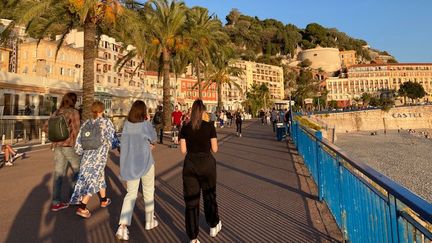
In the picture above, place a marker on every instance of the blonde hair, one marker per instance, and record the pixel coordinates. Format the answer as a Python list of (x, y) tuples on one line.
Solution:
[(97, 107)]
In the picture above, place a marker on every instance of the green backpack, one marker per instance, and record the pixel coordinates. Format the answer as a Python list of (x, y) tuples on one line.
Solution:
[(58, 128)]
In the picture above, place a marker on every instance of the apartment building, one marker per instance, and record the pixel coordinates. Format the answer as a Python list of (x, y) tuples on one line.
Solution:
[(348, 58), (374, 78), (4, 59), (258, 73)]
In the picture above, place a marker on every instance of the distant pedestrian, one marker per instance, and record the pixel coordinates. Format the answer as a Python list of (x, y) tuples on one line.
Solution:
[(64, 152), (229, 118), (274, 118), (239, 122), (137, 164), (93, 144), (262, 116), (197, 139), (176, 117), (158, 123)]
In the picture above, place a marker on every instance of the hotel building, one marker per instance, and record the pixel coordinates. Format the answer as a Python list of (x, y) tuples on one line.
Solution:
[(374, 78), (256, 73)]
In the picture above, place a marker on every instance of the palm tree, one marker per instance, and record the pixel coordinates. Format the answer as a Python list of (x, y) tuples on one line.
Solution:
[(166, 19), (222, 73), (46, 17), (203, 34)]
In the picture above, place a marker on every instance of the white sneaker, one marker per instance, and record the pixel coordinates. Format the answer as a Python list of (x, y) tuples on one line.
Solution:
[(215, 230), (195, 241), (150, 225), (8, 163), (240, 135), (122, 233), (17, 155)]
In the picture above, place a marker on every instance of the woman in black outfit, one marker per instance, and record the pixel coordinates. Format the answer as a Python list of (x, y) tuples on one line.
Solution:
[(239, 122), (197, 140)]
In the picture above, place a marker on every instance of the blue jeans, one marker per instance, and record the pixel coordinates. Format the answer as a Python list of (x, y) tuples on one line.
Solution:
[(63, 156)]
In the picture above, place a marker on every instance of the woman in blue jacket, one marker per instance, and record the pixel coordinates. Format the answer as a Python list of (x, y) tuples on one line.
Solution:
[(137, 164)]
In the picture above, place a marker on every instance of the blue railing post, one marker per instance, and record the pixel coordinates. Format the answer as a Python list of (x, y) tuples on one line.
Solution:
[(319, 167), (393, 218), (342, 203)]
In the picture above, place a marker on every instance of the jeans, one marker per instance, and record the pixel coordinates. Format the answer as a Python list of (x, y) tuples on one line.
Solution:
[(148, 187), (159, 131), (63, 156), (199, 173)]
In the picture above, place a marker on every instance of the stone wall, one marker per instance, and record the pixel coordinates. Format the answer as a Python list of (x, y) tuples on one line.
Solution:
[(414, 117)]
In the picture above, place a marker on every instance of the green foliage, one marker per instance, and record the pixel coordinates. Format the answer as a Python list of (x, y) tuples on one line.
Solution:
[(392, 60), (412, 90), (307, 86), (257, 98), (305, 63)]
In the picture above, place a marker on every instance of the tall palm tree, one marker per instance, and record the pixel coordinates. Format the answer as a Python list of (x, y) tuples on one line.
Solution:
[(203, 34), (222, 73), (167, 19), (45, 17)]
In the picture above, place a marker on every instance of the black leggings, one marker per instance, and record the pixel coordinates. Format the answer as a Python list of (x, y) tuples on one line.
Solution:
[(199, 173), (239, 125)]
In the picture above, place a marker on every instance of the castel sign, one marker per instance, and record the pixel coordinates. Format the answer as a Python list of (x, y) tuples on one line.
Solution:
[(407, 115)]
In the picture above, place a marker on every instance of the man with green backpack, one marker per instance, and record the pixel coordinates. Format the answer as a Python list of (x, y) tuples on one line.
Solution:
[(63, 127)]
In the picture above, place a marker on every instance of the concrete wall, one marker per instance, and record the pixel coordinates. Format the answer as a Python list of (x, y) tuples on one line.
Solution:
[(327, 59), (415, 117)]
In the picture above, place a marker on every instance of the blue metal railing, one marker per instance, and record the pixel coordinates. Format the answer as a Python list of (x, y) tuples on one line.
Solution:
[(367, 206)]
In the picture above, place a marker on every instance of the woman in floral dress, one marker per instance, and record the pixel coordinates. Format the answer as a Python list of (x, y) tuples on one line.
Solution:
[(91, 178)]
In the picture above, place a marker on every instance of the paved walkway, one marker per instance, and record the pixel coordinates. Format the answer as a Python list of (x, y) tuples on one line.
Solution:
[(264, 192)]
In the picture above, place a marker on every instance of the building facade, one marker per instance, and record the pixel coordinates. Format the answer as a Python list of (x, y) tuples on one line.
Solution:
[(258, 73), (375, 78), (348, 58)]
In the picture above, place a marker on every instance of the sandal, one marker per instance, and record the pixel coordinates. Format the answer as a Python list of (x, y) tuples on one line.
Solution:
[(85, 213), (106, 203)]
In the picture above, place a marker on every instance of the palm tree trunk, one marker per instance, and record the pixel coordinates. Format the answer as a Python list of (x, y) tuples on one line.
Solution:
[(199, 79), (219, 94), (166, 90), (88, 73)]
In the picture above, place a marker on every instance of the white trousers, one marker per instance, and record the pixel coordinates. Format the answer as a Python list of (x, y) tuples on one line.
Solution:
[(148, 186)]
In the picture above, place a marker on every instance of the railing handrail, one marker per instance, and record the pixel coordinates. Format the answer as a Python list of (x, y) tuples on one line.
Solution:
[(418, 204)]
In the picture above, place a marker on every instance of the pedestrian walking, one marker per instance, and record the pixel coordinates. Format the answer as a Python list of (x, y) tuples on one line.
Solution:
[(63, 142), (158, 123), (274, 118), (239, 122), (93, 144), (137, 164), (262, 115), (197, 139), (176, 117)]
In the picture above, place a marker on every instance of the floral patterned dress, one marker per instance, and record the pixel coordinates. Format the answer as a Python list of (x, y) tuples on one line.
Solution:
[(91, 177)]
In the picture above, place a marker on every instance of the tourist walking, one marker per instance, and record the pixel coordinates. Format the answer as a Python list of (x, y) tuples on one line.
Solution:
[(137, 164), (63, 147), (176, 117), (93, 144), (158, 123), (239, 122), (197, 140), (262, 115), (274, 118)]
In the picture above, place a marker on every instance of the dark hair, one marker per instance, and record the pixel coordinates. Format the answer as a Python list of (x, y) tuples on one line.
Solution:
[(198, 108), (68, 101), (97, 107), (138, 112)]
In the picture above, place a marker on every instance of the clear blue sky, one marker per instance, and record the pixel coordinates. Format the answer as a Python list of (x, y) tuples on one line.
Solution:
[(401, 27)]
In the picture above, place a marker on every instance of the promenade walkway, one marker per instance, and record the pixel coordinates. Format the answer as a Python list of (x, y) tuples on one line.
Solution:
[(265, 194)]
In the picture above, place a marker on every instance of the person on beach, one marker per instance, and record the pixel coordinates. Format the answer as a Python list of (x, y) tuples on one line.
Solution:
[(137, 164), (93, 144), (197, 140)]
